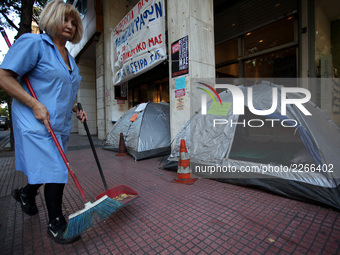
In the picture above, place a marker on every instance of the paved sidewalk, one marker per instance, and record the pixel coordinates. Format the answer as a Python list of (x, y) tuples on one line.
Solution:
[(208, 217)]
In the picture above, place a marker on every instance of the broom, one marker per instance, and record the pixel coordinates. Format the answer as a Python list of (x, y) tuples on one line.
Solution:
[(82, 220)]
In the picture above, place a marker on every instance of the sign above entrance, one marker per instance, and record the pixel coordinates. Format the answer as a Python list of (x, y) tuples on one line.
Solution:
[(138, 41)]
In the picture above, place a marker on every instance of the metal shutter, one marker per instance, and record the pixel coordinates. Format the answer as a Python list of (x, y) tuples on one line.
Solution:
[(247, 15)]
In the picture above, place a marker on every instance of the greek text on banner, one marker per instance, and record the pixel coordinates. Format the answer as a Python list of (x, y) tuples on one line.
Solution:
[(138, 41)]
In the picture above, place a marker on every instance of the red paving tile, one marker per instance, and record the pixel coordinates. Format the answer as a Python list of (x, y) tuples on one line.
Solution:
[(207, 217)]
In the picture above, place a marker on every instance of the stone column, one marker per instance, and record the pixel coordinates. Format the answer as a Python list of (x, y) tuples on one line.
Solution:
[(113, 12), (195, 19)]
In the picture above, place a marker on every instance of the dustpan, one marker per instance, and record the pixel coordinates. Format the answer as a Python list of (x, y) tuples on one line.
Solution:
[(121, 193)]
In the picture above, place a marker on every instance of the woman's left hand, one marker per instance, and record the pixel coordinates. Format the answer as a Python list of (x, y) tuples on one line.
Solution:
[(81, 114)]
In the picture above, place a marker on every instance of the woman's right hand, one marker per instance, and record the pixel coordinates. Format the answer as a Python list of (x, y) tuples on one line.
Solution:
[(41, 113)]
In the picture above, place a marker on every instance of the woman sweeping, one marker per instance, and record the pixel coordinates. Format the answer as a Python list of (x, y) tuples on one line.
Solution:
[(55, 79)]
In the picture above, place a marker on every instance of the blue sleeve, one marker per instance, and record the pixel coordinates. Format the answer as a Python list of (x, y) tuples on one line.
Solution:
[(24, 54)]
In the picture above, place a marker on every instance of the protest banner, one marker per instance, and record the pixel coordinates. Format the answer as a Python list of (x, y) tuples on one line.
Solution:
[(138, 41)]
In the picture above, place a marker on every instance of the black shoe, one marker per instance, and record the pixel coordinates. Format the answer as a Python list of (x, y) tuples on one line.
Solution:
[(28, 204), (56, 229)]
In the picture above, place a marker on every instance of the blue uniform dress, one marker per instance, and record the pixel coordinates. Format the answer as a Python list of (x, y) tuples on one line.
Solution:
[(56, 87)]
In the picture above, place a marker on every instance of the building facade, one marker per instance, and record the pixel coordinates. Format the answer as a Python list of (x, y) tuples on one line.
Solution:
[(222, 39)]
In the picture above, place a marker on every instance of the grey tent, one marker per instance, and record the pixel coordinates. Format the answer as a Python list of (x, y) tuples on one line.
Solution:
[(146, 130), (300, 160)]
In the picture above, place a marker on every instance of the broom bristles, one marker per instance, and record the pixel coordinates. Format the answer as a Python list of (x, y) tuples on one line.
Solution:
[(82, 220)]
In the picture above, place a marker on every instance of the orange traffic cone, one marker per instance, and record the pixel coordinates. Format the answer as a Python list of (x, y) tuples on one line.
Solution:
[(122, 148), (184, 174)]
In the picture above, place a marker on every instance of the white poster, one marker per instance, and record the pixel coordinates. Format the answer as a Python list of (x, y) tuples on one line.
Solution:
[(138, 41)]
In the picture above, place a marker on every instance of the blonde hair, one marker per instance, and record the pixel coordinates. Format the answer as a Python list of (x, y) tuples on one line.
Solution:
[(53, 16)]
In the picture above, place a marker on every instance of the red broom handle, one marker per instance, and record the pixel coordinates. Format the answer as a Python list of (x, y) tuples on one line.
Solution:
[(52, 132)]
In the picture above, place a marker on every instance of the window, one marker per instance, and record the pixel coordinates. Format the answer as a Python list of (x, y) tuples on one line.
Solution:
[(227, 58), (269, 51), (270, 36)]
